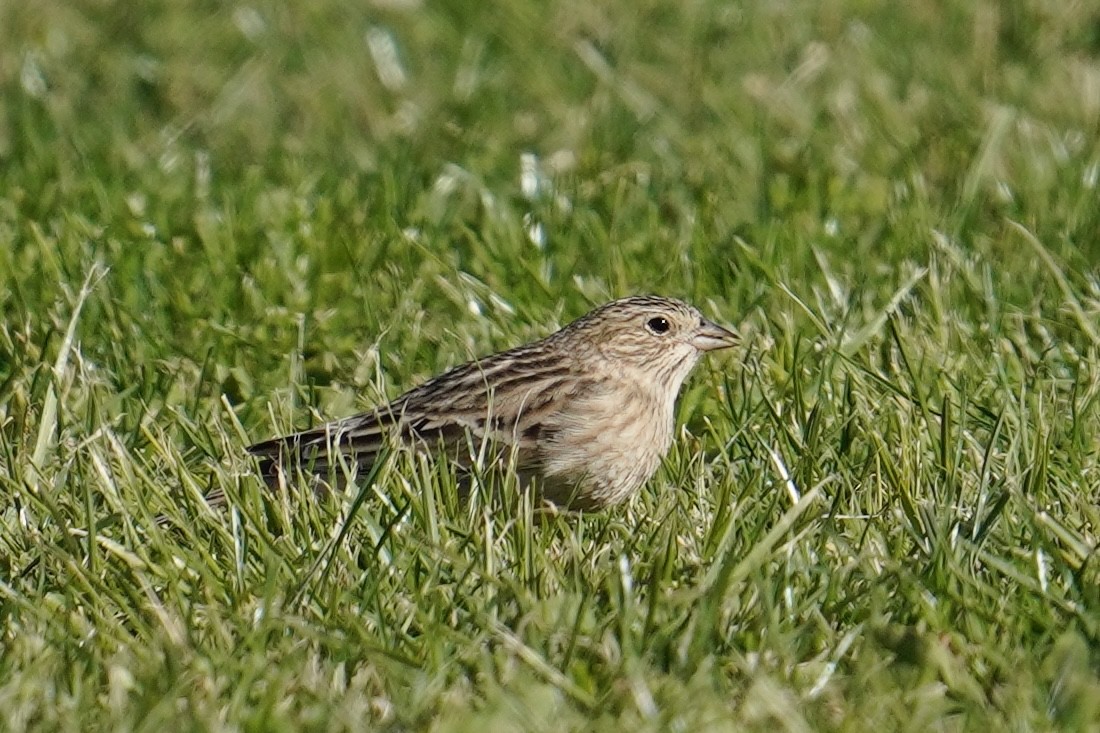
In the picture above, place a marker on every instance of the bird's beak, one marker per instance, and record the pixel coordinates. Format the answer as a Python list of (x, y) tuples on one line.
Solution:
[(711, 336)]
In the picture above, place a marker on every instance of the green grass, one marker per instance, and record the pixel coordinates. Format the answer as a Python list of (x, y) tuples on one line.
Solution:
[(220, 222)]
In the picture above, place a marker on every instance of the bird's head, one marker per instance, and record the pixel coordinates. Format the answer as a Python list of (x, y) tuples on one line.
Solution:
[(649, 334)]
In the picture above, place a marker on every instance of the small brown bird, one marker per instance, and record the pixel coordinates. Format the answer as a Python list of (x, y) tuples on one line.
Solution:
[(586, 413)]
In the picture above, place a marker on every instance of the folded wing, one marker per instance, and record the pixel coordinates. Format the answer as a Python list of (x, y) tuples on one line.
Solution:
[(507, 399)]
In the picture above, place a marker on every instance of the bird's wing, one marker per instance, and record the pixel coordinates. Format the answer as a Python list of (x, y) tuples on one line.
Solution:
[(504, 398)]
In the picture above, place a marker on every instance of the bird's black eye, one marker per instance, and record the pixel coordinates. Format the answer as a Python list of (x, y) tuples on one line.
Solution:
[(658, 325)]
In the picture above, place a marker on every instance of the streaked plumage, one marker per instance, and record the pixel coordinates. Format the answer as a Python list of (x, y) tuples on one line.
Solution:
[(587, 411)]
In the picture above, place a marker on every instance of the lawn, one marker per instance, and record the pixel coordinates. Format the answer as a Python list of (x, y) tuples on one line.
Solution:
[(224, 221)]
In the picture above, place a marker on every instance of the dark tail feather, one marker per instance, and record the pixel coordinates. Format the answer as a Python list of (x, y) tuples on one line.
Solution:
[(321, 454), (316, 451)]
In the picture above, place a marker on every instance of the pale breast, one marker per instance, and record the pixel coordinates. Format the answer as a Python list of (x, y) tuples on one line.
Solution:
[(605, 446)]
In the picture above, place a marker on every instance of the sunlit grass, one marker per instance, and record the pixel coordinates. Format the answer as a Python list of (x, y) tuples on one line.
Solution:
[(218, 224)]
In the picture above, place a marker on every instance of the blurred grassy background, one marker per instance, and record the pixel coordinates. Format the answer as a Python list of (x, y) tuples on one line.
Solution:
[(286, 212)]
